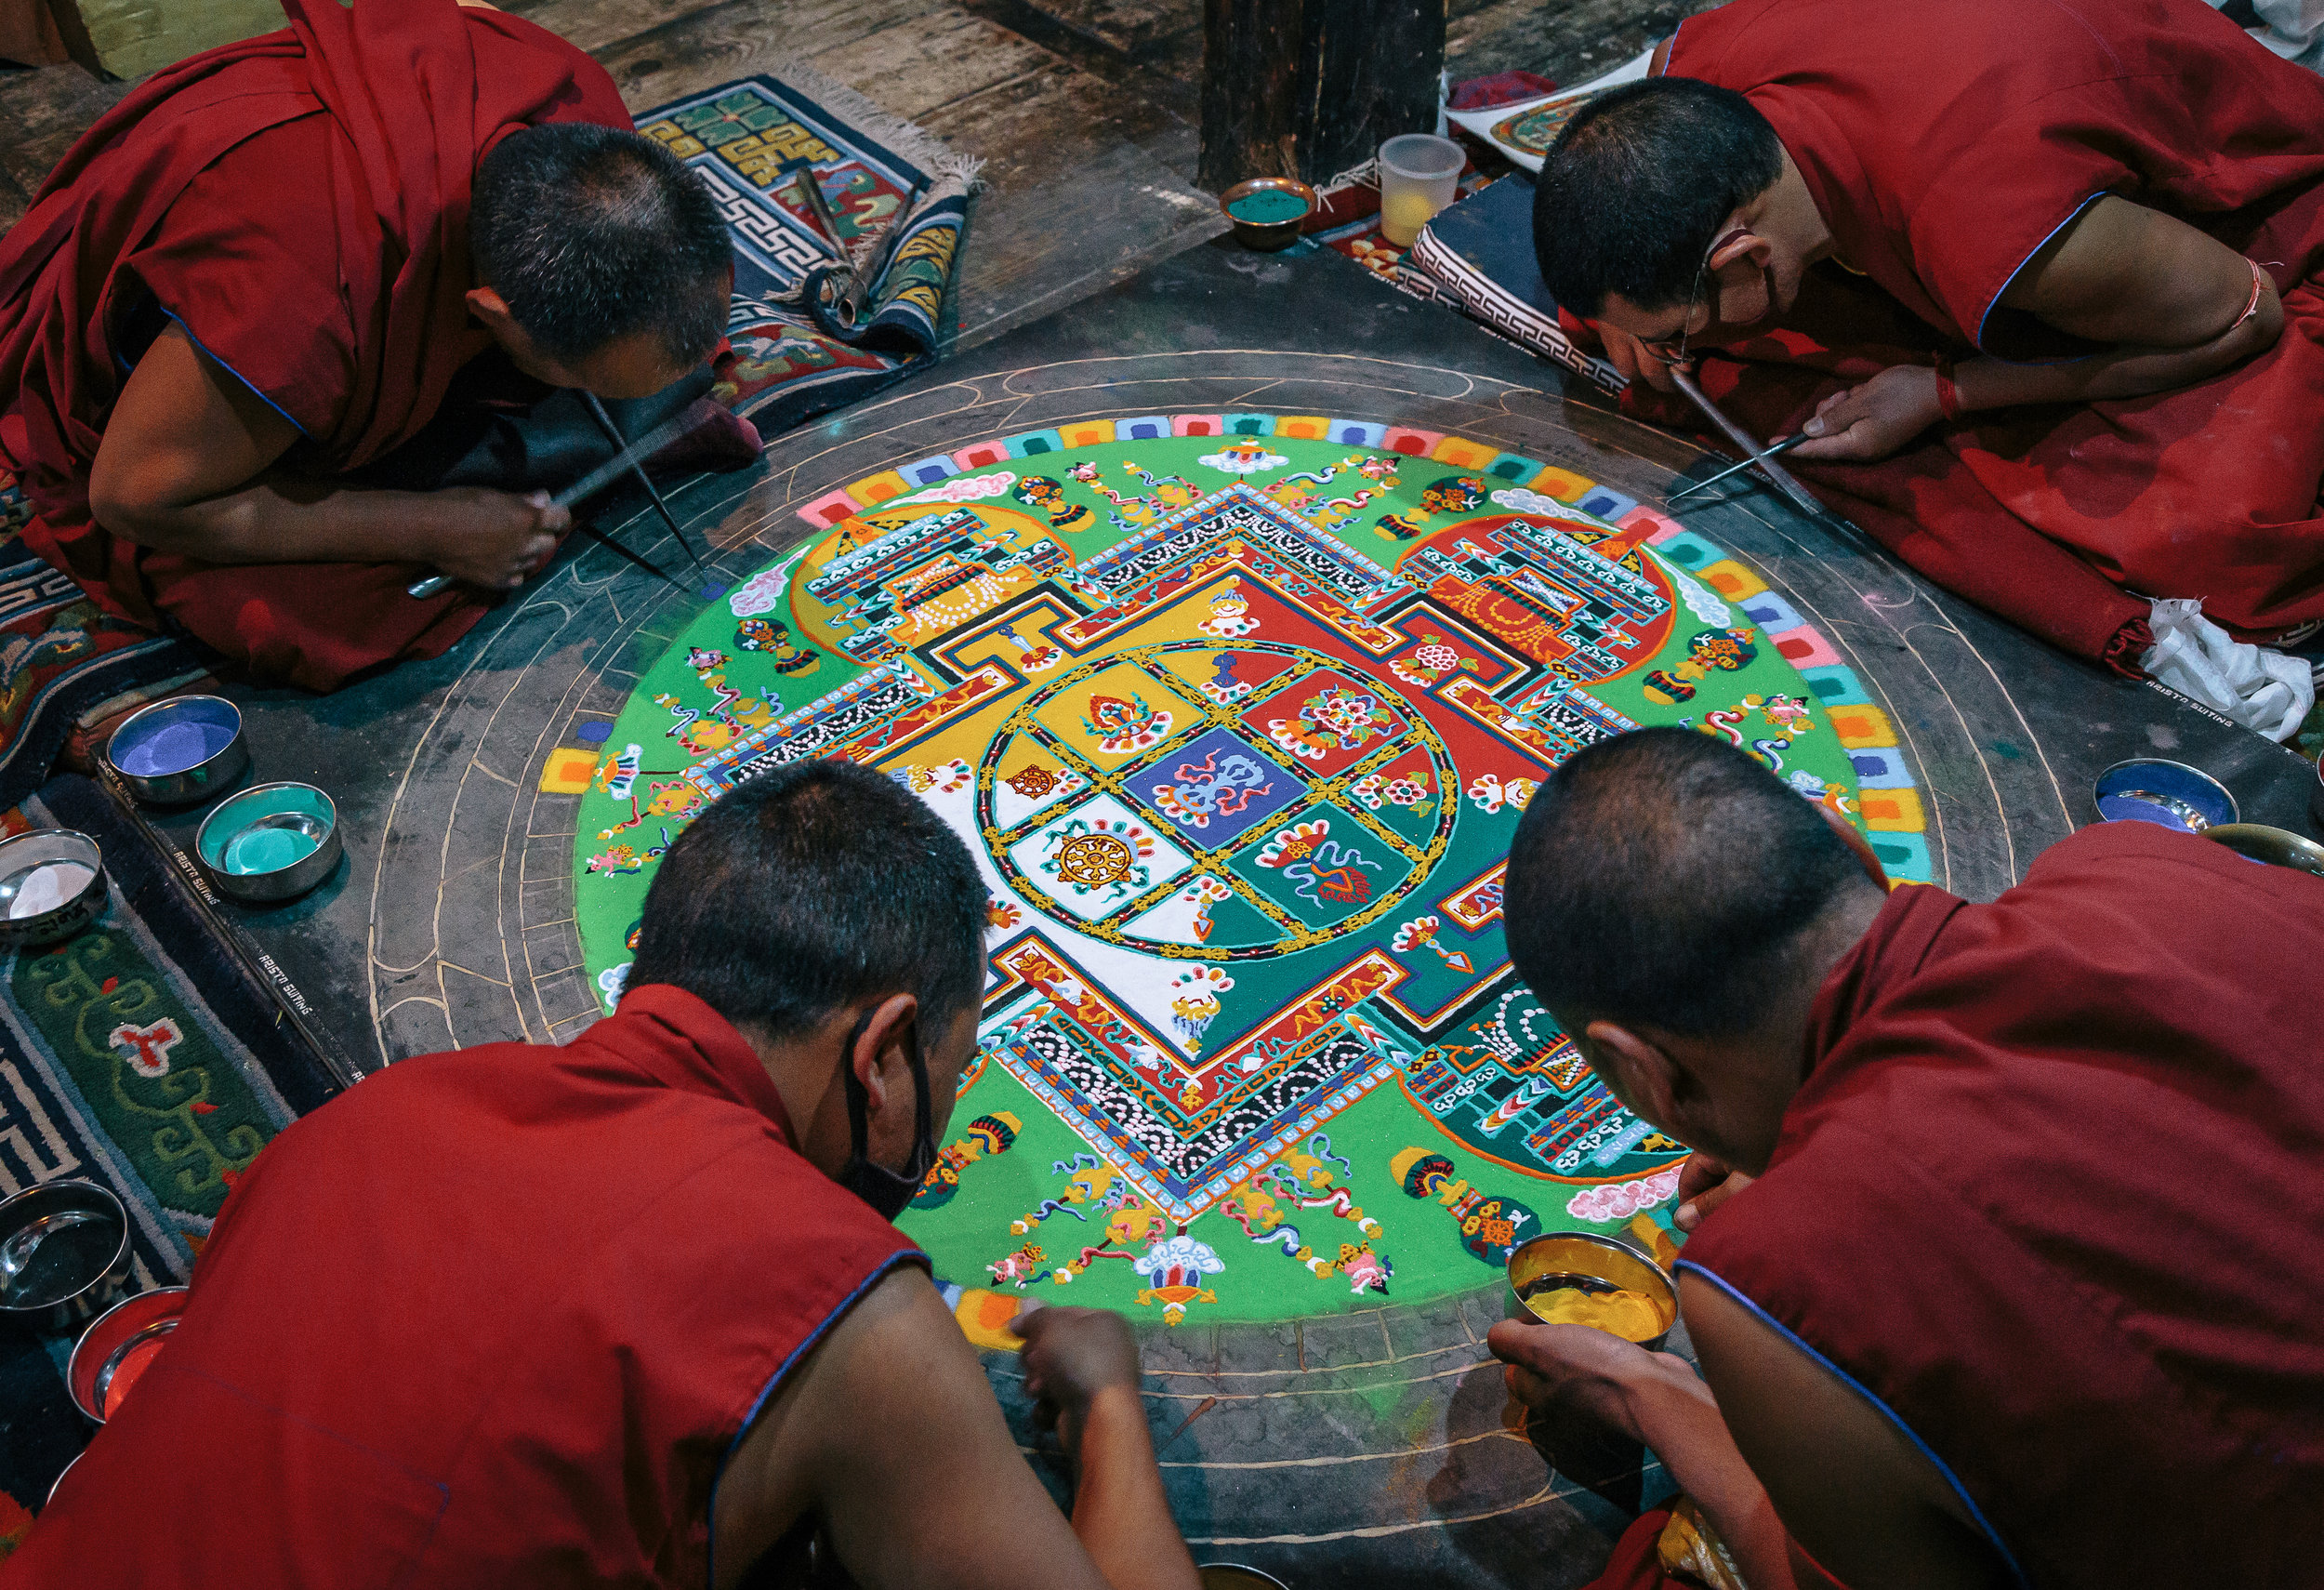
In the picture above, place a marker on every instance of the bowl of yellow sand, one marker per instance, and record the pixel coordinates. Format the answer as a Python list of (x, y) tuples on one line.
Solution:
[(1579, 1277)]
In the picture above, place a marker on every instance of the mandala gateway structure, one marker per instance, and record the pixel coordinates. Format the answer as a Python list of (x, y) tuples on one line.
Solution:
[(1240, 713)]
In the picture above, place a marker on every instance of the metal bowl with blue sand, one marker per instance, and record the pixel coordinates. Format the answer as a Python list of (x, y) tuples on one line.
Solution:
[(177, 751), (272, 842), (2170, 794)]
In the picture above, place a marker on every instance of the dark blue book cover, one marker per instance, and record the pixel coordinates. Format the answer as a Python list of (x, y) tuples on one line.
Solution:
[(1481, 250)]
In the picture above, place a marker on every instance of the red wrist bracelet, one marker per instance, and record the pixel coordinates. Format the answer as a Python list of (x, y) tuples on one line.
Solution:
[(1948, 394)]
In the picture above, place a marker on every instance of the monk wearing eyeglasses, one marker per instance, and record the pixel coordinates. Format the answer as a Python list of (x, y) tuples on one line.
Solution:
[(2040, 280)]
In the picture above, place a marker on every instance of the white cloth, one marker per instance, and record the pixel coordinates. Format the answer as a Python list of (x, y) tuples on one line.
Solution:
[(2292, 29), (2261, 690)]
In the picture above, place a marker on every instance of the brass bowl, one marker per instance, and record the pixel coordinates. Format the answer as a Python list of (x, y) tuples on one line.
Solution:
[(2281, 847), (1601, 1258), (1268, 237)]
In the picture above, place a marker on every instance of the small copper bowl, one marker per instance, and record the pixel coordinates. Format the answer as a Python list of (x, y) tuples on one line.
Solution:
[(1265, 235), (1606, 1259)]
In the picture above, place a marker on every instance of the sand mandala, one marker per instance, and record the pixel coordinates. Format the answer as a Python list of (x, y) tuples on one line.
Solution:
[(1238, 713)]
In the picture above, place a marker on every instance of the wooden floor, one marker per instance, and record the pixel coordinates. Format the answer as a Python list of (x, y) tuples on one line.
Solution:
[(1084, 110)]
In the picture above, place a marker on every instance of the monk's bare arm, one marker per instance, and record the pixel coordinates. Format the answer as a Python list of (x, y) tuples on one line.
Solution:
[(889, 1434), (1851, 1488), (187, 466), (1657, 1400), (2172, 301)]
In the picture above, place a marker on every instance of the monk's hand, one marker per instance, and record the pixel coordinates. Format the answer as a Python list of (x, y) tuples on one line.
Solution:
[(1633, 358), (1873, 420), (1704, 1185), (1554, 1368), (493, 539), (1072, 1357)]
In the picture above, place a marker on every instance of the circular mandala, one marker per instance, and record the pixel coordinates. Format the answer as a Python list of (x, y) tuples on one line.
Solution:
[(1239, 727)]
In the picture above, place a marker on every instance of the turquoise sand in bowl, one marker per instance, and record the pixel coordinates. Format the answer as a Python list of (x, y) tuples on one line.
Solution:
[(1268, 205)]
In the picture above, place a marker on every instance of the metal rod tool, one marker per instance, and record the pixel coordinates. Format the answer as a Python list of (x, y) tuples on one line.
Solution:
[(613, 434), (1776, 475), (1773, 450), (684, 423)]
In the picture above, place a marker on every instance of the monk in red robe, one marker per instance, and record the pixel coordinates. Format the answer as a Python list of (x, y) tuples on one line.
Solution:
[(2028, 1287), (236, 311), (2046, 282), (632, 1311)]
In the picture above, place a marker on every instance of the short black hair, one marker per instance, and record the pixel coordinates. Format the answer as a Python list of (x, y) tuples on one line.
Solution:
[(1657, 876), (590, 234), (1632, 194), (810, 889)]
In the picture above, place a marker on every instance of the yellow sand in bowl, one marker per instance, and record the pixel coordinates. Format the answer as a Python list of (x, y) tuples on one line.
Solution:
[(1629, 1315)]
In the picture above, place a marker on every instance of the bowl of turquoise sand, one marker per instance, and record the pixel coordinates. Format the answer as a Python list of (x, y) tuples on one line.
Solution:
[(1266, 211), (187, 749), (272, 842)]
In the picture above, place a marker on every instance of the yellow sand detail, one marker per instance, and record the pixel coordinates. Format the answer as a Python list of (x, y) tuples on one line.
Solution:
[(1629, 1315)]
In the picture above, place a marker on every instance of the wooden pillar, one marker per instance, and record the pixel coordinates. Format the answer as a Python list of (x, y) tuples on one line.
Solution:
[(1307, 89)]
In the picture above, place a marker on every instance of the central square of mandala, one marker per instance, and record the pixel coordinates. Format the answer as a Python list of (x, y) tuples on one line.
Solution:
[(1212, 788)]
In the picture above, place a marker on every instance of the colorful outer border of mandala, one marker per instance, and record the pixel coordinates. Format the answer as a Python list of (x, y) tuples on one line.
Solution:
[(1888, 797)]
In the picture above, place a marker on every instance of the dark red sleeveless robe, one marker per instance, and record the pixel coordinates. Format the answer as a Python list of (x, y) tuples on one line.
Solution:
[(491, 1319), (1944, 143), (2052, 1193), (299, 202)]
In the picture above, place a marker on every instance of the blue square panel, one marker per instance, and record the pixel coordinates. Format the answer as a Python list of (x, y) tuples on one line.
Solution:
[(1210, 790)]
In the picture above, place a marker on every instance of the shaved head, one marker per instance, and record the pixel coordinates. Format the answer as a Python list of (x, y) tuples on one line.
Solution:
[(1665, 879)]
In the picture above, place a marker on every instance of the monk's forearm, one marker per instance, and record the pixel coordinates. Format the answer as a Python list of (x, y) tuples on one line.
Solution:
[(273, 522), (1120, 1514), (1680, 1421), (2125, 372)]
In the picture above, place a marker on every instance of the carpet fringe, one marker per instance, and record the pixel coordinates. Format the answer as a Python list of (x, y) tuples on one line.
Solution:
[(904, 139)]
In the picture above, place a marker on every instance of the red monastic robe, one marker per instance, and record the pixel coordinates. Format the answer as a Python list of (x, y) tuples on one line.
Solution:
[(491, 1321), (299, 202), (2050, 1194), (1945, 143)]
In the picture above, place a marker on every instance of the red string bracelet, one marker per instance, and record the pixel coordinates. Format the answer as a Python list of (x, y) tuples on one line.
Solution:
[(2259, 285), (1948, 394)]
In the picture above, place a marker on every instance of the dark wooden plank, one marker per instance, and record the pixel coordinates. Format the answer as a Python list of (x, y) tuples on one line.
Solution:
[(1082, 187), (632, 29), (1308, 87), (939, 58), (1085, 193)]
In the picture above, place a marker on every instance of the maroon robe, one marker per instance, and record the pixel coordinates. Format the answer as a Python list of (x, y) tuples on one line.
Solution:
[(1945, 143), (491, 1321), (299, 202), (2052, 1194)]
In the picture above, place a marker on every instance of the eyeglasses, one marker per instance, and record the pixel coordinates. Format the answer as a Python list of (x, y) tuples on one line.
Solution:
[(1672, 351)]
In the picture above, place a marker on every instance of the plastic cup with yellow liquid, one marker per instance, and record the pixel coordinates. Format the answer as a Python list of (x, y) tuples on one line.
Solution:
[(1419, 174)]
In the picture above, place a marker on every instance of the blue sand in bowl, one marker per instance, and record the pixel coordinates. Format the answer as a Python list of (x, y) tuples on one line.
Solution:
[(174, 746)]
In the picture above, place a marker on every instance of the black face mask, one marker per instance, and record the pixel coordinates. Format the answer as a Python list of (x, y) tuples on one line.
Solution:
[(886, 1191)]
